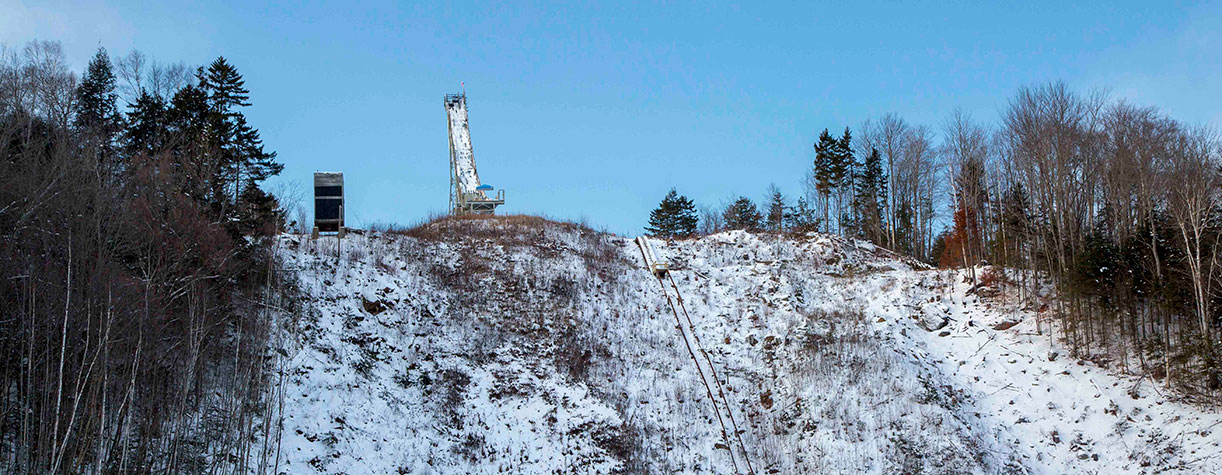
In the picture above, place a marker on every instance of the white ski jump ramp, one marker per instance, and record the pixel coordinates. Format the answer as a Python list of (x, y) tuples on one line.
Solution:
[(467, 193), (460, 140)]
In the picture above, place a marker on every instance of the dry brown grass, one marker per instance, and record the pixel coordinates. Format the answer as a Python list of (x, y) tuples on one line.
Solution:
[(480, 236), (448, 227), (496, 260)]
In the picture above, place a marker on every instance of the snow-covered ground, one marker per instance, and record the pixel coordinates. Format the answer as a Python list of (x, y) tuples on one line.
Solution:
[(519, 345), (1061, 414)]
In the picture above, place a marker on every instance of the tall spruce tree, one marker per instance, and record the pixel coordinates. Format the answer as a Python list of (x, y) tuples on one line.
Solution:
[(197, 163), (241, 157), (97, 115), (742, 214), (870, 197), (825, 170), (842, 179), (775, 219), (675, 217), (188, 114), (147, 125)]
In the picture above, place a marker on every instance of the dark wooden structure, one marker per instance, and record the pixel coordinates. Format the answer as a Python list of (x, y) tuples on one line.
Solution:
[(328, 202)]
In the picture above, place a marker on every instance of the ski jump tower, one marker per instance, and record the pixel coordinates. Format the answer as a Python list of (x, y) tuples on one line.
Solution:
[(467, 194)]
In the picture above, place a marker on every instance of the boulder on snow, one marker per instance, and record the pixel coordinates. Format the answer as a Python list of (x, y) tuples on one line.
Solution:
[(988, 292), (1005, 324), (374, 307), (931, 322)]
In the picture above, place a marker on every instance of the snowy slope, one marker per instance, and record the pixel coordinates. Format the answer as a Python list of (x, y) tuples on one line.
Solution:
[(513, 344), (1063, 415)]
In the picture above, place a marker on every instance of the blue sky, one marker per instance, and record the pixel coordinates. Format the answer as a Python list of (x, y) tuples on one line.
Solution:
[(594, 112)]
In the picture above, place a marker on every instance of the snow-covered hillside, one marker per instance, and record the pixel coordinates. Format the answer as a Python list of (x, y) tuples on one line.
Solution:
[(514, 344)]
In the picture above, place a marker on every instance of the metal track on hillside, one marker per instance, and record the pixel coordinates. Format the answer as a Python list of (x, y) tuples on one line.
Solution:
[(704, 365)]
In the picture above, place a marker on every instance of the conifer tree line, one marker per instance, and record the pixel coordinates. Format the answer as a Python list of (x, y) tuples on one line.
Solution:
[(137, 268), (1115, 207)]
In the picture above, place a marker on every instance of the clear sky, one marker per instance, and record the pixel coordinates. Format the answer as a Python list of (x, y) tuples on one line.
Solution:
[(595, 112)]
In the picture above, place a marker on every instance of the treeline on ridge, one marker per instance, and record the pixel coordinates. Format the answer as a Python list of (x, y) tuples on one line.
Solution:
[(1118, 207), (137, 274)]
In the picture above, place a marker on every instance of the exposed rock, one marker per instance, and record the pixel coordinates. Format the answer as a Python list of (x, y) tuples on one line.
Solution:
[(374, 307), (988, 292), (1005, 324), (931, 322)]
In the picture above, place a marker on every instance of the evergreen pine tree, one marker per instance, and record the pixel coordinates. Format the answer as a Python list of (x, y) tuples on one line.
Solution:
[(869, 198), (241, 157), (1015, 216), (776, 209), (97, 116), (1096, 271), (843, 163), (147, 123), (842, 177), (260, 213), (742, 214), (259, 164), (226, 88), (188, 114), (196, 160), (1016, 209), (905, 228), (802, 218), (825, 169), (674, 217)]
